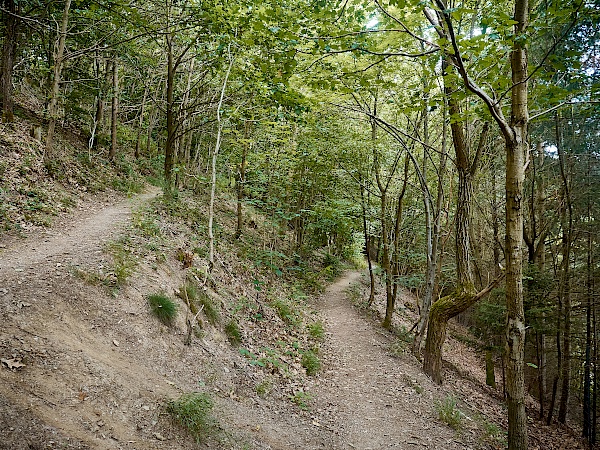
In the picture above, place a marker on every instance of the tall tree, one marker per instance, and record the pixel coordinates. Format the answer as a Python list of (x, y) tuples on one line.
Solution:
[(11, 22)]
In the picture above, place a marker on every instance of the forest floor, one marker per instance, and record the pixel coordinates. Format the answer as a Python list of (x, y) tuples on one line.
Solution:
[(85, 369)]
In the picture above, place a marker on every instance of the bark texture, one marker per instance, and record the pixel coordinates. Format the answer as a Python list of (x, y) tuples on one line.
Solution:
[(9, 50)]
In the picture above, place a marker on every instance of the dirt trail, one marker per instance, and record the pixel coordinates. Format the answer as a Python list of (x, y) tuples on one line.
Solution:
[(82, 237), (97, 369), (376, 401)]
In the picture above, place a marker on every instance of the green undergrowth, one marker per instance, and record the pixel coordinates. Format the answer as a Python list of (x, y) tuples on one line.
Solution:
[(34, 193), (163, 308), (194, 412), (449, 413), (258, 295)]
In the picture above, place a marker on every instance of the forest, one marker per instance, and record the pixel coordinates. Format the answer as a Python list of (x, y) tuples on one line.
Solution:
[(454, 144)]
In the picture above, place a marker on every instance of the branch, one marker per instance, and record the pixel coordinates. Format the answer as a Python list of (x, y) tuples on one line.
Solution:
[(404, 27), (493, 106), (560, 105)]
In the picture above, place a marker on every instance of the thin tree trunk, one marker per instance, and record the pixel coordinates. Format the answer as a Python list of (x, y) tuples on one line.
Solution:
[(170, 142), (242, 179), (552, 400), (54, 93), (138, 142), (114, 111), (385, 256), (213, 186), (396, 262), (367, 242), (564, 284), (540, 348)]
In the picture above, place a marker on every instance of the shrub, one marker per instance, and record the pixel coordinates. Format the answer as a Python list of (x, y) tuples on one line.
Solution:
[(311, 362), (301, 399), (163, 308), (194, 413)]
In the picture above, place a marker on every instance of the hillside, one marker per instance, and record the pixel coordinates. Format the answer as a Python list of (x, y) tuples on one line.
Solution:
[(277, 362)]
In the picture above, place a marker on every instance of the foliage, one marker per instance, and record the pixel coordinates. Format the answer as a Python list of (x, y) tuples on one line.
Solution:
[(449, 413), (311, 362), (233, 332), (267, 358), (286, 311), (163, 308), (194, 413), (124, 261), (316, 330), (302, 399)]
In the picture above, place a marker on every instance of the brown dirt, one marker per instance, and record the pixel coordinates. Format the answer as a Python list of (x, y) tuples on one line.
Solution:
[(98, 369)]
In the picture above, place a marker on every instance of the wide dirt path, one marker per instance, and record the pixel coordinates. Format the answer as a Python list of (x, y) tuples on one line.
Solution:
[(373, 399)]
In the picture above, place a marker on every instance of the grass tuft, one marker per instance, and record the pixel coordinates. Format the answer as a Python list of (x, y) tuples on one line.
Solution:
[(449, 413), (286, 312), (311, 362), (210, 308), (232, 330), (316, 330), (163, 308), (194, 413)]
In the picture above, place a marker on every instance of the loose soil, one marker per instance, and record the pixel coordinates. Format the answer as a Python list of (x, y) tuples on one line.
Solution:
[(90, 370)]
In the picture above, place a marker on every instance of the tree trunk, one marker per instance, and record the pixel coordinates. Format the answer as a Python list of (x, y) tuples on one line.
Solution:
[(367, 242), (398, 222), (588, 426), (490, 375), (213, 186), (54, 93), (170, 142), (9, 50), (385, 256), (564, 289), (465, 295), (541, 362), (138, 142), (516, 149), (114, 111), (432, 231), (441, 312)]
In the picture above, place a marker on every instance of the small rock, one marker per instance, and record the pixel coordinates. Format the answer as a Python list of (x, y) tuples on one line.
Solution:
[(116, 343), (159, 436)]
